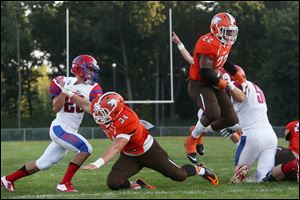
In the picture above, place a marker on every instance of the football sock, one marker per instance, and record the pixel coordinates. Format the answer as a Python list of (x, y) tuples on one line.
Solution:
[(200, 140), (17, 174), (201, 172), (289, 167), (72, 169), (198, 130)]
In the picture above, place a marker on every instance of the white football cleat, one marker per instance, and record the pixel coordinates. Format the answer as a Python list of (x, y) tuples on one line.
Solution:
[(9, 186), (134, 186), (240, 175), (65, 187)]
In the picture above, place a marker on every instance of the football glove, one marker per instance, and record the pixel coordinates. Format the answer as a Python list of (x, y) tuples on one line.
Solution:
[(245, 88), (227, 132), (67, 85)]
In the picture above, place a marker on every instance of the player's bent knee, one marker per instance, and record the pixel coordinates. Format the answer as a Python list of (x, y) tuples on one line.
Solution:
[(211, 117), (43, 165), (232, 122), (114, 184)]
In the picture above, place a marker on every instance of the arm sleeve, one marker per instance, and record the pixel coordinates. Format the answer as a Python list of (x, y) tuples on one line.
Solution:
[(97, 90), (229, 67), (54, 88)]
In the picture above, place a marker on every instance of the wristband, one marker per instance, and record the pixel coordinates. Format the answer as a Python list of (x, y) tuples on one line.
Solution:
[(230, 85), (98, 163), (222, 84), (180, 46)]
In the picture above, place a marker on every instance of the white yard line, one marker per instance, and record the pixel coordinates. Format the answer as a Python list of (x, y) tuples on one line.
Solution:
[(152, 192)]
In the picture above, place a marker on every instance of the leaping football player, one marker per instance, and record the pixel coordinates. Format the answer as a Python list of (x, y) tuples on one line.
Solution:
[(205, 88)]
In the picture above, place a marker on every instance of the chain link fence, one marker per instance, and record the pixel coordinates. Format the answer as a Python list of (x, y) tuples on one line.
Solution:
[(29, 134)]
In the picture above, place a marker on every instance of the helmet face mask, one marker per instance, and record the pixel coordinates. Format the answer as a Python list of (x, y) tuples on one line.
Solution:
[(107, 107), (91, 75), (101, 116), (229, 34), (86, 67)]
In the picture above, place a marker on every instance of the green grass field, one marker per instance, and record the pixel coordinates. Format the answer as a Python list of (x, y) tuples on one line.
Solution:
[(219, 155)]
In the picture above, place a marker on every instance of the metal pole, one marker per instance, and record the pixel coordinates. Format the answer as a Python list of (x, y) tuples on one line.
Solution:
[(114, 65), (171, 55), (67, 38), (163, 105), (19, 73)]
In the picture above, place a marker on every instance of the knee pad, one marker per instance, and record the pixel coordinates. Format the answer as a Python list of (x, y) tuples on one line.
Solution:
[(43, 165)]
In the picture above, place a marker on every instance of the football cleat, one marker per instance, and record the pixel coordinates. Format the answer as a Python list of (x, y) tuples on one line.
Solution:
[(200, 149), (192, 157), (240, 175), (135, 186), (65, 187), (143, 184), (9, 186), (209, 175)]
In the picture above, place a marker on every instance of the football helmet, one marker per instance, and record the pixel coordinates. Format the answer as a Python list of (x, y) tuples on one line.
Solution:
[(86, 67), (107, 107), (223, 26), (240, 69)]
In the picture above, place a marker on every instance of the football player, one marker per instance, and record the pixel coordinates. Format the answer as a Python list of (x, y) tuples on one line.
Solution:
[(205, 88), (287, 160), (258, 140), (132, 141), (64, 128)]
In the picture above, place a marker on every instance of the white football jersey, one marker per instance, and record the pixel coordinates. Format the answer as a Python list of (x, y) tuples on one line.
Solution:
[(252, 112), (71, 115)]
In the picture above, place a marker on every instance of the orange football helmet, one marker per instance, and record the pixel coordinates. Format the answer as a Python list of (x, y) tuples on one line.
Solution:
[(107, 107), (223, 26)]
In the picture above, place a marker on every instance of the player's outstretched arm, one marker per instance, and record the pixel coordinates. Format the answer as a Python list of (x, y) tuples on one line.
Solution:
[(112, 151), (185, 54), (82, 103), (79, 101), (235, 92)]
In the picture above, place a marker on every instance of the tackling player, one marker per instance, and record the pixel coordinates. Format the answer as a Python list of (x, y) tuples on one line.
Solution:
[(64, 128), (287, 160), (137, 148), (205, 87), (258, 140)]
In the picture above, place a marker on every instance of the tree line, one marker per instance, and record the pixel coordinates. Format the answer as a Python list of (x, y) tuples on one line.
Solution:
[(135, 36)]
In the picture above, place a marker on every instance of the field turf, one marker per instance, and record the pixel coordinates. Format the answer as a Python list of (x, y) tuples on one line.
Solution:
[(219, 156)]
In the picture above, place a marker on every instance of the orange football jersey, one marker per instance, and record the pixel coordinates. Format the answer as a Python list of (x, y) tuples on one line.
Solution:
[(128, 123), (293, 127), (211, 47)]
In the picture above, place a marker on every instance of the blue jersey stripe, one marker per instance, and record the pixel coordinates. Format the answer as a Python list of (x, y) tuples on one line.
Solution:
[(240, 149), (70, 138)]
